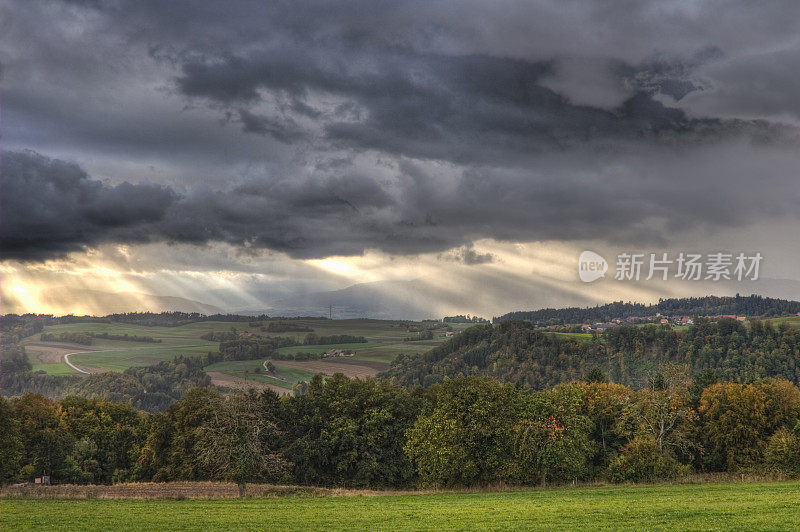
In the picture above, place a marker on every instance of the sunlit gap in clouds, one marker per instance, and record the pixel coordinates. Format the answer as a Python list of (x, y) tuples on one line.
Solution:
[(518, 276), (509, 276), (67, 286), (57, 287)]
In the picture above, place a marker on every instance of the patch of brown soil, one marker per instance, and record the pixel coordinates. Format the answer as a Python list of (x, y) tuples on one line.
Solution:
[(378, 366), (52, 354), (148, 360), (350, 368), (93, 370), (229, 381)]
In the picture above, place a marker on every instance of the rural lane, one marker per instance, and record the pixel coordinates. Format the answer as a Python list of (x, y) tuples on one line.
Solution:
[(73, 366)]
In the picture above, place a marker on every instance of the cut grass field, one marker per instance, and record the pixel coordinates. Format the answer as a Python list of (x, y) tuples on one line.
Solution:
[(117, 355), (581, 337), (246, 369), (794, 321), (726, 506)]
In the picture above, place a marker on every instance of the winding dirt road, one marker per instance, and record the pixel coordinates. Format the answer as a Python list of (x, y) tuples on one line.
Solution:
[(73, 366)]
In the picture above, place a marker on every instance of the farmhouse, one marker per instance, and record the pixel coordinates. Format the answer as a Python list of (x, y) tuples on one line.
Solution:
[(337, 353)]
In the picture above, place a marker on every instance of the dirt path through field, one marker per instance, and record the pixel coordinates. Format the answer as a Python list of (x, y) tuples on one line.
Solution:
[(229, 381), (53, 354), (83, 369), (271, 374)]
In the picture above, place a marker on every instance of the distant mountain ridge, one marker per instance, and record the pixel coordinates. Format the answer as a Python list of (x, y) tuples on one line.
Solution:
[(99, 303), (379, 300)]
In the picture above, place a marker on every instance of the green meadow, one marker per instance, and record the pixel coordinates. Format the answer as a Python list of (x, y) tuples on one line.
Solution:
[(254, 371), (385, 340), (726, 506), (581, 337), (794, 321)]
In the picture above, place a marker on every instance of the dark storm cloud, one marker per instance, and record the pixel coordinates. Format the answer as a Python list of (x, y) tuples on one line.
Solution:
[(464, 109), (51, 207), (282, 130), (320, 128)]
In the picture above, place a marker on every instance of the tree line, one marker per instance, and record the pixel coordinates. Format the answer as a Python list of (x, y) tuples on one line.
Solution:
[(151, 388), (753, 305), (18, 326), (469, 431)]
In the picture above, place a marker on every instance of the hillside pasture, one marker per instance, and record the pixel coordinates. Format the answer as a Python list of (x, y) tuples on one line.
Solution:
[(116, 355), (254, 370), (581, 337), (794, 321)]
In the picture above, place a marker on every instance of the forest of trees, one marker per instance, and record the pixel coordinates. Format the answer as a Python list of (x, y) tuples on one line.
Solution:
[(253, 347), (285, 326), (17, 326), (468, 431), (752, 305), (152, 388), (313, 339), (127, 338), (81, 338), (517, 352)]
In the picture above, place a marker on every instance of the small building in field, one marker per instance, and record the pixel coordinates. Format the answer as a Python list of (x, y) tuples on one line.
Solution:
[(332, 353)]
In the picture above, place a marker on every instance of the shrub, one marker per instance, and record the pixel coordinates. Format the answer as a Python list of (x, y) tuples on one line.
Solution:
[(782, 454), (641, 460)]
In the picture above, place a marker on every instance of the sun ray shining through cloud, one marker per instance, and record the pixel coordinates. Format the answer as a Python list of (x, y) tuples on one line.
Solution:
[(259, 162)]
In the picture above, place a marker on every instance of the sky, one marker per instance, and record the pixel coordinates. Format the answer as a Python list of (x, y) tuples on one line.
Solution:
[(241, 153)]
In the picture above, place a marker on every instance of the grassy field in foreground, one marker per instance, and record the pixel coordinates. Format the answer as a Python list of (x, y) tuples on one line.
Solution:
[(765, 506)]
